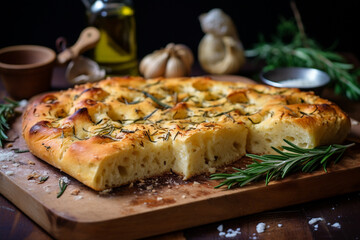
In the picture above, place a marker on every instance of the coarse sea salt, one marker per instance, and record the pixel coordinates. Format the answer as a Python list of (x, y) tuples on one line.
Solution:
[(280, 225), (315, 220), (78, 197), (6, 155), (9, 173), (23, 103), (336, 225), (229, 233), (316, 226), (260, 228)]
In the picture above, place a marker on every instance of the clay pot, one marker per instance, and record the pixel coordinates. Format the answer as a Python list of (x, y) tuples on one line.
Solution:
[(26, 70)]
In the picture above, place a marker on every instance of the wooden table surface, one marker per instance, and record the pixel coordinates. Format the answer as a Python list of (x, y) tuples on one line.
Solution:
[(340, 214)]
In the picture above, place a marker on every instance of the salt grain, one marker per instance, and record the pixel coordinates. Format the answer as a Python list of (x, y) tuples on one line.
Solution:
[(159, 198), (220, 228), (260, 228), (47, 189), (6, 155), (4, 166), (315, 220), (65, 180), (336, 225), (230, 233), (316, 226), (9, 173), (79, 197), (280, 225), (16, 164), (183, 196)]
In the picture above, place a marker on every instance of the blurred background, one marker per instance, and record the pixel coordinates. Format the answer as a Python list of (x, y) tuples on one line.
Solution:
[(159, 22)]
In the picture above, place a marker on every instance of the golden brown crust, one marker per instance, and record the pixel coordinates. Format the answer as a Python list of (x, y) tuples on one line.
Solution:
[(139, 123)]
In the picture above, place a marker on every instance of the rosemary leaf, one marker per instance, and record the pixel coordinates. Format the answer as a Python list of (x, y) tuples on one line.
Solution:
[(63, 183), (157, 101), (17, 150), (7, 110), (288, 50), (279, 166)]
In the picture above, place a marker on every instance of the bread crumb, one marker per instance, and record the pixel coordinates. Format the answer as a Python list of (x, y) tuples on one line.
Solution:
[(9, 145), (31, 162), (131, 185), (183, 196), (159, 198), (149, 187), (196, 183), (75, 192), (33, 175), (212, 170), (16, 164), (104, 192)]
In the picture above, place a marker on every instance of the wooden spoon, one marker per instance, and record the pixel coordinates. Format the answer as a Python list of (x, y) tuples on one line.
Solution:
[(88, 39)]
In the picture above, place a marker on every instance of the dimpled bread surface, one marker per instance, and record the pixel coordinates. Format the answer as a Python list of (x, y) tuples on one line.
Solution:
[(120, 130)]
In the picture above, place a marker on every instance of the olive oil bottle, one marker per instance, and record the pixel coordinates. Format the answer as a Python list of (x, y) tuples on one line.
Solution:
[(116, 50)]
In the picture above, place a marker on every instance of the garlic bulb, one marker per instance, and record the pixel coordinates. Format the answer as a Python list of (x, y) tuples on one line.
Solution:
[(175, 60), (220, 50)]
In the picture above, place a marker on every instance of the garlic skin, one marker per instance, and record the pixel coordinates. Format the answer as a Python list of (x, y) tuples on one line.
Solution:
[(220, 51), (175, 60), (82, 70)]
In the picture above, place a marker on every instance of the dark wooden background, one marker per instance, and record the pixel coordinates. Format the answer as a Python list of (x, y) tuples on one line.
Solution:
[(162, 21)]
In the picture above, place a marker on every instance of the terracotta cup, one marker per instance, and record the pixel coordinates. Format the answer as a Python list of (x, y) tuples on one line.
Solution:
[(26, 70)]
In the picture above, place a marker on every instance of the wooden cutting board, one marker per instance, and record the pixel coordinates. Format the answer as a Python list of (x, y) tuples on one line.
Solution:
[(156, 206)]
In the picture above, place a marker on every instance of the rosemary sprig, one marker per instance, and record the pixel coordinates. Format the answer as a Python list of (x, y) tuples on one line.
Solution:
[(278, 166), (291, 48), (63, 183), (157, 101), (7, 110)]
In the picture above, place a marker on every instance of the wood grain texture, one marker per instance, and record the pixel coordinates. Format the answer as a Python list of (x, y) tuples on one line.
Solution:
[(145, 209), (169, 204)]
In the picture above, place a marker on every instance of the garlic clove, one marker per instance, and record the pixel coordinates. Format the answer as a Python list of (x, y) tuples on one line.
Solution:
[(156, 68), (186, 56), (147, 60), (174, 60), (175, 68)]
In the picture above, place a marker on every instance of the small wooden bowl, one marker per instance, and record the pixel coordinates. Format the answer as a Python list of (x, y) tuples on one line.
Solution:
[(26, 70)]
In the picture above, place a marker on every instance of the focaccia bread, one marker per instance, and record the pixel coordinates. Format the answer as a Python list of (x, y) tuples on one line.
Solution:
[(119, 130)]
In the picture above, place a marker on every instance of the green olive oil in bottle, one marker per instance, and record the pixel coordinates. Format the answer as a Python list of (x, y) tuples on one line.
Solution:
[(116, 50)]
